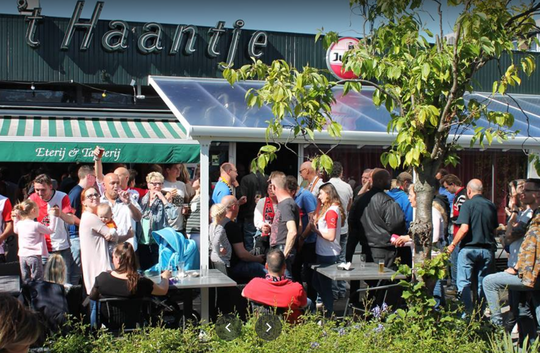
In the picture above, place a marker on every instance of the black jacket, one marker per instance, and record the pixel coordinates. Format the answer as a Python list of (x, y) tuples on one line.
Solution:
[(374, 217)]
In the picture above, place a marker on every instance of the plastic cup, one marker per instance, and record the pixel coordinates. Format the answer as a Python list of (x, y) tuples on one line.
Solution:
[(381, 266)]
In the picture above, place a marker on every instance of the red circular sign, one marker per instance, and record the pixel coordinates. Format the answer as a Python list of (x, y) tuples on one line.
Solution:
[(334, 54)]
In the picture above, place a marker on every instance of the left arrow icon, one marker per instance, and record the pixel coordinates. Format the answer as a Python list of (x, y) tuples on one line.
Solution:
[(227, 327)]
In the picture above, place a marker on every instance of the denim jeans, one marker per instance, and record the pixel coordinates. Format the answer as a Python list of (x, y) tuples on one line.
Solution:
[(247, 270), (289, 261), (31, 268), (249, 234), (339, 286), (438, 294), (453, 257), (323, 284), (94, 307), (503, 280), (473, 262), (76, 265)]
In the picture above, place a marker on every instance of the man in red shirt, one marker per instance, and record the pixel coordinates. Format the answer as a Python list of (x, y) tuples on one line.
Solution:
[(45, 196), (6, 224), (454, 185), (275, 290)]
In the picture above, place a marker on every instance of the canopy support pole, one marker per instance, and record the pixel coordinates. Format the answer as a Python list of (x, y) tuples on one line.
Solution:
[(204, 201)]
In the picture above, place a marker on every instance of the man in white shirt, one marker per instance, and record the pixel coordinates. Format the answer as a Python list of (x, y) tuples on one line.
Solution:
[(123, 175), (308, 173), (345, 193), (126, 210)]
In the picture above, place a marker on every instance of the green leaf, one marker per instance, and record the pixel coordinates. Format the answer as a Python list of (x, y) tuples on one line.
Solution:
[(262, 161), (409, 158), (268, 149), (326, 163), (495, 86), (425, 71), (489, 136), (334, 129), (310, 133), (393, 160)]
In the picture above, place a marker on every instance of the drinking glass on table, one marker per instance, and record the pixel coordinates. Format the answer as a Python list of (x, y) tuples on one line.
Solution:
[(181, 270), (381, 266), (204, 271), (362, 260)]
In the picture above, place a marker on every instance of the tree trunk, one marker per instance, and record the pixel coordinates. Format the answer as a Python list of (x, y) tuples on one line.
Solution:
[(421, 228)]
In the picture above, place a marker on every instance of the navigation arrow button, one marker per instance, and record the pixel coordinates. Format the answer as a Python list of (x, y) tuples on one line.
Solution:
[(268, 327), (228, 327)]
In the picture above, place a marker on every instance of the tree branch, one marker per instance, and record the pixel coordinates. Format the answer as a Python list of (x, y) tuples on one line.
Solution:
[(533, 9)]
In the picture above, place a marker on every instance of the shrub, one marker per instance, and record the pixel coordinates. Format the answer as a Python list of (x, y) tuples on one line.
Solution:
[(389, 334)]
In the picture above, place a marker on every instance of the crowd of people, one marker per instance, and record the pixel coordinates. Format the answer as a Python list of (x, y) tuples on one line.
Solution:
[(268, 232)]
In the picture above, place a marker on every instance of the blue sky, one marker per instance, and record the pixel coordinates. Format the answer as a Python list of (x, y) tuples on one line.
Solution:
[(299, 16)]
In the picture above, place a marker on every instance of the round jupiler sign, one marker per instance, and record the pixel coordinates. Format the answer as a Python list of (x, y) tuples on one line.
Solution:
[(334, 54)]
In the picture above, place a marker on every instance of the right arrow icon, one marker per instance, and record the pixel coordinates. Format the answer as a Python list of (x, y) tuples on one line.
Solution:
[(268, 327)]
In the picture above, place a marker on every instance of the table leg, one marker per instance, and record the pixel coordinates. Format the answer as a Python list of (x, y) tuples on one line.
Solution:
[(188, 306), (205, 304)]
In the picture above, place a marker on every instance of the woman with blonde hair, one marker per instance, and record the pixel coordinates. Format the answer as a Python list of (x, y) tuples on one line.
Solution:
[(55, 269), (158, 212), (221, 249), (327, 225)]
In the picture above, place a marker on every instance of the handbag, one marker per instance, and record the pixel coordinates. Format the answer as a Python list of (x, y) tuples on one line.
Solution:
[(146, 225)]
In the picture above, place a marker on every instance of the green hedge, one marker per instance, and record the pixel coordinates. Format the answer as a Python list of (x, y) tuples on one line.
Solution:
[(387, 334)]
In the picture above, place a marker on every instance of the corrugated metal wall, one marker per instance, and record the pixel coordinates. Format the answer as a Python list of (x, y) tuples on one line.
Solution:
[(48, 63), (494, 70)]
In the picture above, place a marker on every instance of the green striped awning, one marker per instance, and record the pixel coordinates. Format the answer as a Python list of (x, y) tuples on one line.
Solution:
[(71, 139), (90, 128)]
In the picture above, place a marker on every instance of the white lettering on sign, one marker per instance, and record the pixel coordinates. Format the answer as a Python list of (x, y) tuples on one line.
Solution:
[(45, 152), (150, 40), (86, 152), (74, 152), (114, 154)]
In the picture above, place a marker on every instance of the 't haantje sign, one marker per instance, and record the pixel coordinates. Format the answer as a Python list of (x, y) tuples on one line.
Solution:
[(150, 41)]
